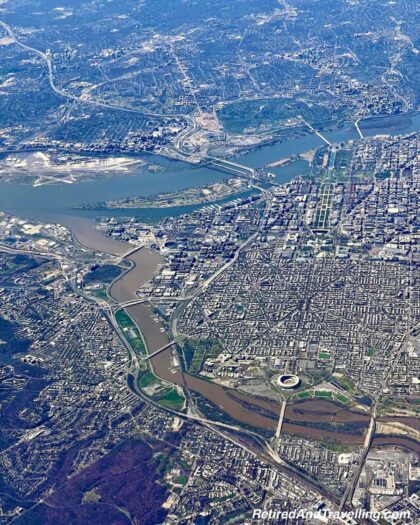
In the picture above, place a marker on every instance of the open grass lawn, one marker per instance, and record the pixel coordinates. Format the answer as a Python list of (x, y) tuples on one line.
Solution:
[(131, 332), (172, 400)]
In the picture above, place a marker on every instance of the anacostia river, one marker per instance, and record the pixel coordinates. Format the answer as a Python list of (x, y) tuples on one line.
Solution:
[(56, 203), (304, 419)]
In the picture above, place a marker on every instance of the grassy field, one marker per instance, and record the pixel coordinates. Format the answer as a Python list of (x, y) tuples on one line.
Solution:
[(130, 331), (323, 394), (172, 400), (304, 395), (181, 480), (197, 352), (147, 379), (238, 116), (100, 293), (324, 355), (102, 274), (165, 396)]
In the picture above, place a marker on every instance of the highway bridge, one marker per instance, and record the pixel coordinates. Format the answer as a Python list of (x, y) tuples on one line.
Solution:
[(232, 167)]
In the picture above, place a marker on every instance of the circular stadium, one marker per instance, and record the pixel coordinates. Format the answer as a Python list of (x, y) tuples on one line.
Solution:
[(288, 381)]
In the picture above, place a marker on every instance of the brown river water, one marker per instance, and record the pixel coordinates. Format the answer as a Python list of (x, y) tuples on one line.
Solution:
[(301, 419), (86, 234)]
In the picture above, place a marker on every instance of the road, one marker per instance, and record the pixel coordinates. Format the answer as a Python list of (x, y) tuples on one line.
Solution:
[(206, 284), (351, 487), (251, 441), (411, 331), (70, 96), (216, 274), (191, 127)]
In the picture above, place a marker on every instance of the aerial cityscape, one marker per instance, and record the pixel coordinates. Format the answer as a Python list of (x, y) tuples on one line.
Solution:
[(209, 262)]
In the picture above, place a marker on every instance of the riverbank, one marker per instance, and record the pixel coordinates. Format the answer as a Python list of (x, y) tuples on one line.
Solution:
[(208, 194), (315, 419), (51, 204)]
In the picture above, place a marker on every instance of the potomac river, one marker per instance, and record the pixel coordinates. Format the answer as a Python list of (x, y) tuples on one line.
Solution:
[(56, 203)]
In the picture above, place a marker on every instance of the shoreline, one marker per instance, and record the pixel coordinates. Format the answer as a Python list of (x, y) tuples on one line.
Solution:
[(155, 337)]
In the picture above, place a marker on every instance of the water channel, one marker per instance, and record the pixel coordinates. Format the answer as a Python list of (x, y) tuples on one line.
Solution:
[(302, 419), (55, 203)]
